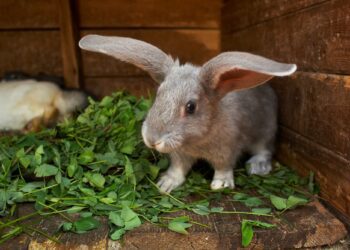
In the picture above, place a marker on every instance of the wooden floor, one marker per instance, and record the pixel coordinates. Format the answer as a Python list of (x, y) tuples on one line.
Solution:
[(304, 227)]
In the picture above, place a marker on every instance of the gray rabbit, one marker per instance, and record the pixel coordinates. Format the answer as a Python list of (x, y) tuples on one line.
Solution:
[(214, 112)]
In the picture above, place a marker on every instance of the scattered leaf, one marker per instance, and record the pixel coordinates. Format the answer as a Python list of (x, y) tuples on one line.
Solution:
[(67, 226), (278, 202), (179, 224), (294, 201), (95, 179), (240, 196), (217, 209), (85, 224), (265, 210), (130, 218), (116, 219), (117, 234), (247, 233), (45, 170), (253, 202)]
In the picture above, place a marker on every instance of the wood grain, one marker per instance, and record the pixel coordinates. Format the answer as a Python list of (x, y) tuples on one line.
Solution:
[(316, 39), (102, 86), (307, 226), (314, 109), (149, 13), (69, 44), (332, 171), (317, 106), (24, 14), (242, 14), (196, 46), (30, 51), (314, 113)]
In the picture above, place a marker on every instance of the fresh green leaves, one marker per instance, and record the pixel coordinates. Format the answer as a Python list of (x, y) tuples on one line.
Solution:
[(117, 234), (131, 219), (249, 201), (85, 224), (86, 157), (98, 165), (82, 225), (248, 232), (180, 224), (45, 170), (253, 202), (262, 210), (201, 209), (279, 202), (95, 179), (116, 219), (283, 204), (123, 221), (72, 168), (23, 158), (294, 201)]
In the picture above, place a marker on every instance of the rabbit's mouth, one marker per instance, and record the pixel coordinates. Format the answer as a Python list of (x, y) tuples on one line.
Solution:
[(165, 143), (168, 143)]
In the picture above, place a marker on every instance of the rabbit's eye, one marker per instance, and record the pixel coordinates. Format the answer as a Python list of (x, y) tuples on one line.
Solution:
[(190, 107)]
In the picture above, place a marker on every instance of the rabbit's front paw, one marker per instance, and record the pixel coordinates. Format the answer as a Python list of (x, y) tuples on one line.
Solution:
[(218, 184), (168, 182), (222, 179), (259, 165)]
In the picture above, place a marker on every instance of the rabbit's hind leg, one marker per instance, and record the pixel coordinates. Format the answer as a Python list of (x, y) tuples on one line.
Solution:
[(260, 162)]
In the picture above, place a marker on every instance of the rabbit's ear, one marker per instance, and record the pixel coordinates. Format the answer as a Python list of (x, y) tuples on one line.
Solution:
[(231, 71), (138, 53)]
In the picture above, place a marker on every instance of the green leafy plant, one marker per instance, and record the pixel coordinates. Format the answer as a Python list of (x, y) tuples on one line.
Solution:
[(97, 165), (248, 232), (180, 224), (82, 225)]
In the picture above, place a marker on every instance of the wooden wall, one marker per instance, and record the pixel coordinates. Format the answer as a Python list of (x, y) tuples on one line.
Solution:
[(42, 35), (314, 110), (29, 37)]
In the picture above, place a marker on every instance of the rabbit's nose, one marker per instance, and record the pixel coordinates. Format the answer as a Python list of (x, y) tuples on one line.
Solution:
[(147, 141), (155, 144), (149, 137), (151, 142)]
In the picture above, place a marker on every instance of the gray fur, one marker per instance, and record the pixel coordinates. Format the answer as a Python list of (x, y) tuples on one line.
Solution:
[(225, 123), (141, 54)]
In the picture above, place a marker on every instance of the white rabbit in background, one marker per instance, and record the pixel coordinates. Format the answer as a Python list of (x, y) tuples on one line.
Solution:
[(30, 104), (214, 112)]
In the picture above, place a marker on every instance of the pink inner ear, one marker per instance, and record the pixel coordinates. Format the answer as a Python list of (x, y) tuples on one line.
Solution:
[(237, 79)]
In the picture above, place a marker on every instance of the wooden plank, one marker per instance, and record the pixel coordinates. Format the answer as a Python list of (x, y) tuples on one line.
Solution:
[(102, 86), (238, 15), (24, 14), (316, 39), (69, 44), (332, 171), (30, 51), (317, 107), (196, 46), (308, 226), (149, 13)]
